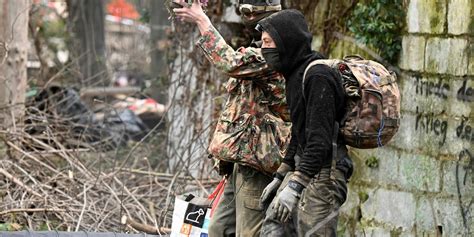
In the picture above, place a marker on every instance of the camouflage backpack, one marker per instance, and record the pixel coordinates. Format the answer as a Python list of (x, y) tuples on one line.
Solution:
[(372, 101)]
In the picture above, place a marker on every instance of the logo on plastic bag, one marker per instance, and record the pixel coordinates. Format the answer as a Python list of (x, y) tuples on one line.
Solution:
[(195, 215)]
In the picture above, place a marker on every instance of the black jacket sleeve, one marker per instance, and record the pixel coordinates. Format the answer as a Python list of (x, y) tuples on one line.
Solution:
[(320, 104)]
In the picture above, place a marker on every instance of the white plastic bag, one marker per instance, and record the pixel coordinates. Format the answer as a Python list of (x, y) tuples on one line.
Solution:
[(190, 220)]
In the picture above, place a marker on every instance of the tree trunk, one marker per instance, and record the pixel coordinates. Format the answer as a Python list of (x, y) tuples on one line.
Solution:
[(159, 23), (324, 17), (86, 25), (13, 57)]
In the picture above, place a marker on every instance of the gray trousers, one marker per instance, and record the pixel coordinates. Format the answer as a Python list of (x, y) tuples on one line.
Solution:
[(239, 212), (317, 211)]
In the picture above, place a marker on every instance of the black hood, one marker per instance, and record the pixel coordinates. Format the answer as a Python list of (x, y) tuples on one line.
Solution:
[(289, 30)]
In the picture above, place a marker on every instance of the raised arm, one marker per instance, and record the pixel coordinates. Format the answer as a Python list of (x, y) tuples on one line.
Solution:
[(244, 62)]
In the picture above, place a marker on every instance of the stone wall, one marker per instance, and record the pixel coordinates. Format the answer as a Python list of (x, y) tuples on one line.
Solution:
[(421, 184)]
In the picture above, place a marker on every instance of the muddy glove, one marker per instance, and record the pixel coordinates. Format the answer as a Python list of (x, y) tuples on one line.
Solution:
[(287, 200), (272, 188), (269, 192)]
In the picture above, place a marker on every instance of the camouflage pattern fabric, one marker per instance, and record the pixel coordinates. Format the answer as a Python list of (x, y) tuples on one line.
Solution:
[(373, 102), (254, 128)]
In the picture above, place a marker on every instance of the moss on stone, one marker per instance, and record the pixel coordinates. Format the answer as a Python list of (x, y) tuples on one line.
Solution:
[(471, 55), (372, 162), (434, 21), (431, 65), (471, 25), (396, 232), (363, 196)]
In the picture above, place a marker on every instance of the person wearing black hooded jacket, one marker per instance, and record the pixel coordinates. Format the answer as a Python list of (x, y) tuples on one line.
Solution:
[(312, 194)]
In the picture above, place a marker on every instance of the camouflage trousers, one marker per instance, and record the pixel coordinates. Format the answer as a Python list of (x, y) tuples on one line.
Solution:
[(239, 212), (317, 211)]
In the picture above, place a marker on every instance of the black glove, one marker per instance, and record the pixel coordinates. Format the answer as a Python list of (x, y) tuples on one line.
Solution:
[(222, 167), (225, 168)]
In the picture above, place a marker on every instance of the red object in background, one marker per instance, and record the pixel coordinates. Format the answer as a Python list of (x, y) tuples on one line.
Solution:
[(215, 196), (122, 9)]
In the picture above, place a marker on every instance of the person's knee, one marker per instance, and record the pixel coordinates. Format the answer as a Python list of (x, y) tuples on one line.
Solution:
[(213, 228), (219, 229)]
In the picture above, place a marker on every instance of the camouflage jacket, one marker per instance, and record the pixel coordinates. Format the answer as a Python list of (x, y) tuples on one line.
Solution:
[(254, 128)]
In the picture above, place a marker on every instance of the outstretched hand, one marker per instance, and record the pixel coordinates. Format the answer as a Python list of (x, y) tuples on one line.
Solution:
[(193, 13)]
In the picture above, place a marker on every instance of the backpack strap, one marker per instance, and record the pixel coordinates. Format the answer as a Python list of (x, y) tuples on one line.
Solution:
[(310, 65), (334, 150)]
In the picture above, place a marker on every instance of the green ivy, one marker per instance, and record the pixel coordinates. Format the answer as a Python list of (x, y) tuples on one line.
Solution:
[(379, 24)]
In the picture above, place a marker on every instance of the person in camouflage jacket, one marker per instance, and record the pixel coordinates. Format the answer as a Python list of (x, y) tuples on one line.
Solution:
[(253, 131)]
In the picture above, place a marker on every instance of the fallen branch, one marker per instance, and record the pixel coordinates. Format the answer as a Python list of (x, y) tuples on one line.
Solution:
[(170, 176), (144, 227), (31, 157), (2, 213), (19, 183), (83, 209)]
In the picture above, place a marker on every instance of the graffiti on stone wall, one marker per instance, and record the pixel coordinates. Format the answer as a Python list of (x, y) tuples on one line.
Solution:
[(465, 157), (439, 89), (464, 130), (465, 93), (430, 124)]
